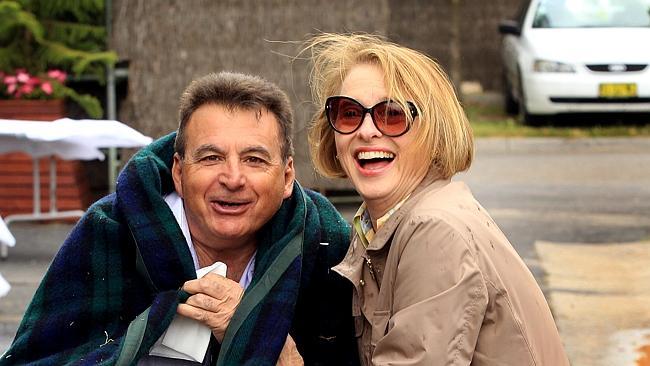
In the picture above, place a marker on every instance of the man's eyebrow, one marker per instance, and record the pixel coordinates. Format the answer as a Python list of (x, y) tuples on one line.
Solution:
[(204, 149), (257, 149)]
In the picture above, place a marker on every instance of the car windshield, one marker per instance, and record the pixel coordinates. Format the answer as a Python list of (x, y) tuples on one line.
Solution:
[(592, 13)]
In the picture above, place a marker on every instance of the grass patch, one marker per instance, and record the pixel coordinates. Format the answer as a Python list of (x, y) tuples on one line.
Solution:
[(490, 121)]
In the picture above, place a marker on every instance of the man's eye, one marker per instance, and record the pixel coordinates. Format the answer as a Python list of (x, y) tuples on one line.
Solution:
[(210, 158), (255, 160)]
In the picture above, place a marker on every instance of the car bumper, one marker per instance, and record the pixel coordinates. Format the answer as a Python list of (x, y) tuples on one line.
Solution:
[(553, 93)]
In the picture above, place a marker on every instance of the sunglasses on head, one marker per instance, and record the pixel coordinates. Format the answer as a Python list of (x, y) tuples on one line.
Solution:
[(345, 115)]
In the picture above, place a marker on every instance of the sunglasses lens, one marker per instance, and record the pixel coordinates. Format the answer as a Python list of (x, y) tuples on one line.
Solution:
[(344, 114), (390, 118)]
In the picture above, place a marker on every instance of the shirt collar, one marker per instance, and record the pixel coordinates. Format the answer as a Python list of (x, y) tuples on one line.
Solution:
[(175, 203), (363, 223)]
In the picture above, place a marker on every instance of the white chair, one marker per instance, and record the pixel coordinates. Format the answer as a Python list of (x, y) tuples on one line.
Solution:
[(6, 240), (5, 235), (4, 286)]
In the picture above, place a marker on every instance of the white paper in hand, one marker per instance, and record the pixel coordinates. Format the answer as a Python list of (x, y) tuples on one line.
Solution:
[(186, 338)]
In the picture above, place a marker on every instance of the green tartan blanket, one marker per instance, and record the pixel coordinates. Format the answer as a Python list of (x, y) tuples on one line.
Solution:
[(112, 289)]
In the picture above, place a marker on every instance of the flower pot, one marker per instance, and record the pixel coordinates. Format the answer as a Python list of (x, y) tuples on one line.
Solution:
[(16, 169)]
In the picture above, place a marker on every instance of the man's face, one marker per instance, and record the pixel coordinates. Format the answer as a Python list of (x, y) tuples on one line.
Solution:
[(232, 178)]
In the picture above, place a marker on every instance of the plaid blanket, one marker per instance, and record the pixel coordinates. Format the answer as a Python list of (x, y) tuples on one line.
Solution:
[(112, 288)]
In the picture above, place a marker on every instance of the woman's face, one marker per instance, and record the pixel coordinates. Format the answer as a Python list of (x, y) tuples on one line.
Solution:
[(384, 170)]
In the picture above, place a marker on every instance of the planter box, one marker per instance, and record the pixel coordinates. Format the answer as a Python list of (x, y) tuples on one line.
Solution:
[(34, 110), (16, 179)]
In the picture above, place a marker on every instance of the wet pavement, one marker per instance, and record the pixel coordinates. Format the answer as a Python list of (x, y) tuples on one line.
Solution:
[(599, 294), (36, 245)]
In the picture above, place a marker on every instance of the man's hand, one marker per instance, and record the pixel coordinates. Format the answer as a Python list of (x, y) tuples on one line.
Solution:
[(212, 302)]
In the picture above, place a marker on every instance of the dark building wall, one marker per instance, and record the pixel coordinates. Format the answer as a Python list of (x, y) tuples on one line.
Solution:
[(480, 40), (423, 25), (460, 34), (170, 42)]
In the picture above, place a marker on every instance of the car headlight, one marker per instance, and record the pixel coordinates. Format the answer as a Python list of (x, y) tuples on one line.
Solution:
[(552, 66)]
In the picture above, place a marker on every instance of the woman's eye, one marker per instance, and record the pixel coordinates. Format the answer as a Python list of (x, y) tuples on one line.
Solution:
[(351, 113), (395, 112)]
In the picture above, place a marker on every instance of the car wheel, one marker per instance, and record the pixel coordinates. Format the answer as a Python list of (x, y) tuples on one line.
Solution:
[(510, 104), (523, 116)]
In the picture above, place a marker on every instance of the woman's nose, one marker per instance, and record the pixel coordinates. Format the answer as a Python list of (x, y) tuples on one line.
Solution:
[(368, 130)]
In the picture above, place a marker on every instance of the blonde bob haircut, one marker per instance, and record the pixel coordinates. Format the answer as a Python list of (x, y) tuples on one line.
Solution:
[(441, 125)]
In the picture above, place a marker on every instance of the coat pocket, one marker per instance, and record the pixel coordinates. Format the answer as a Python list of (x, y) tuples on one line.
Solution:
[(379, 325)]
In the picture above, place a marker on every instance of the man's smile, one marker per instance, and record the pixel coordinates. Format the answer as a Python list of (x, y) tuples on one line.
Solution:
[(230, 207)]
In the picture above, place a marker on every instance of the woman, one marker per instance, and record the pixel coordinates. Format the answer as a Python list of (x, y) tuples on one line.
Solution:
[(436, 282)]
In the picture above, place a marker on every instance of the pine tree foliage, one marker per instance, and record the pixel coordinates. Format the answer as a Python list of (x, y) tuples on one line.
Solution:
[(38, 35), (43, 34)]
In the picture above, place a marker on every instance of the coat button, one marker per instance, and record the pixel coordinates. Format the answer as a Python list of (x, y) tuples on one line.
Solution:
[(362, 282)]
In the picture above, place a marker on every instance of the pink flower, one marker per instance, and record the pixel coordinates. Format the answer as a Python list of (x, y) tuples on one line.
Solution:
[(26, 89), (21, 84), (33, 80), (57, 75), (47, 88), (22, 76)]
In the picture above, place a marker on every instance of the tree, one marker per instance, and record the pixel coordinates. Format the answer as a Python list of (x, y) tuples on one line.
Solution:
[(40, 35)]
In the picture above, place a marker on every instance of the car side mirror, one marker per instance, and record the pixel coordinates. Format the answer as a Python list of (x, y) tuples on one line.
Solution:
[(510, 27)]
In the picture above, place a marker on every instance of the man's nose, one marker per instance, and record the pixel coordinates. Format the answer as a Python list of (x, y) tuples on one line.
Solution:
[(231, 176)]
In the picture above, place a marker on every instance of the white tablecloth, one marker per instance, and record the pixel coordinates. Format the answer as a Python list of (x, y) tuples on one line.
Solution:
[(67, 138)]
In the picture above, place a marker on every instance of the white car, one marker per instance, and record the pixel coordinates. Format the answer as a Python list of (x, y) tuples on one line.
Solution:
[(575, 56)]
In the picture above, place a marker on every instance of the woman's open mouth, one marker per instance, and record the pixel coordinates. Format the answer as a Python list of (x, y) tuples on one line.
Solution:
[(374, 160)]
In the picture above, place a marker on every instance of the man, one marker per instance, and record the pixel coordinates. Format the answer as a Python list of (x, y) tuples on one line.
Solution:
[(221, 190)]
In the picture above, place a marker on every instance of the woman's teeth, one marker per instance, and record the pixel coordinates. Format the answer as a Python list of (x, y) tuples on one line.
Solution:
[(364, 155)]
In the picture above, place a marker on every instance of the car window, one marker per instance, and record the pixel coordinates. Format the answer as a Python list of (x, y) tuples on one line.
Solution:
[(592, 13)]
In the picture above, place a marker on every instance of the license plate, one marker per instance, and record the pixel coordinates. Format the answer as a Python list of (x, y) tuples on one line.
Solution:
[(620, 90)]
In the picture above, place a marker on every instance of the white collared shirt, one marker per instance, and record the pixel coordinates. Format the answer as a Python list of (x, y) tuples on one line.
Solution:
[(175, 203)]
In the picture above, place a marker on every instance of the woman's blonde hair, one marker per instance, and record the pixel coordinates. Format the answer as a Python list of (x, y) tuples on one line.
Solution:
[(441, 126)]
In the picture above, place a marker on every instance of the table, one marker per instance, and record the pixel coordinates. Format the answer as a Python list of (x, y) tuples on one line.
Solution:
[(69, 140)]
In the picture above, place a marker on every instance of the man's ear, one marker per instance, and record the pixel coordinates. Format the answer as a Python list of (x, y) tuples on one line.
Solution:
[(289, 177), (177, 174)]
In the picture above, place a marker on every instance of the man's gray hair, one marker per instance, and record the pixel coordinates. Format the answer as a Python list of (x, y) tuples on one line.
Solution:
[(233, 91)]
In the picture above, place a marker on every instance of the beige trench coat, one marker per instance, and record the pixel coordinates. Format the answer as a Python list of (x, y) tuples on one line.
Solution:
[(440, 284)]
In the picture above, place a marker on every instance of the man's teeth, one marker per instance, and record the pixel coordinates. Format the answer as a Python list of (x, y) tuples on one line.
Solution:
[(375, 155), (224, 203)]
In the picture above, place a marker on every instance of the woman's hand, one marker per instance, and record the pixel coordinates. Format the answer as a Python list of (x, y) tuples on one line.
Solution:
[(213, 302)]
